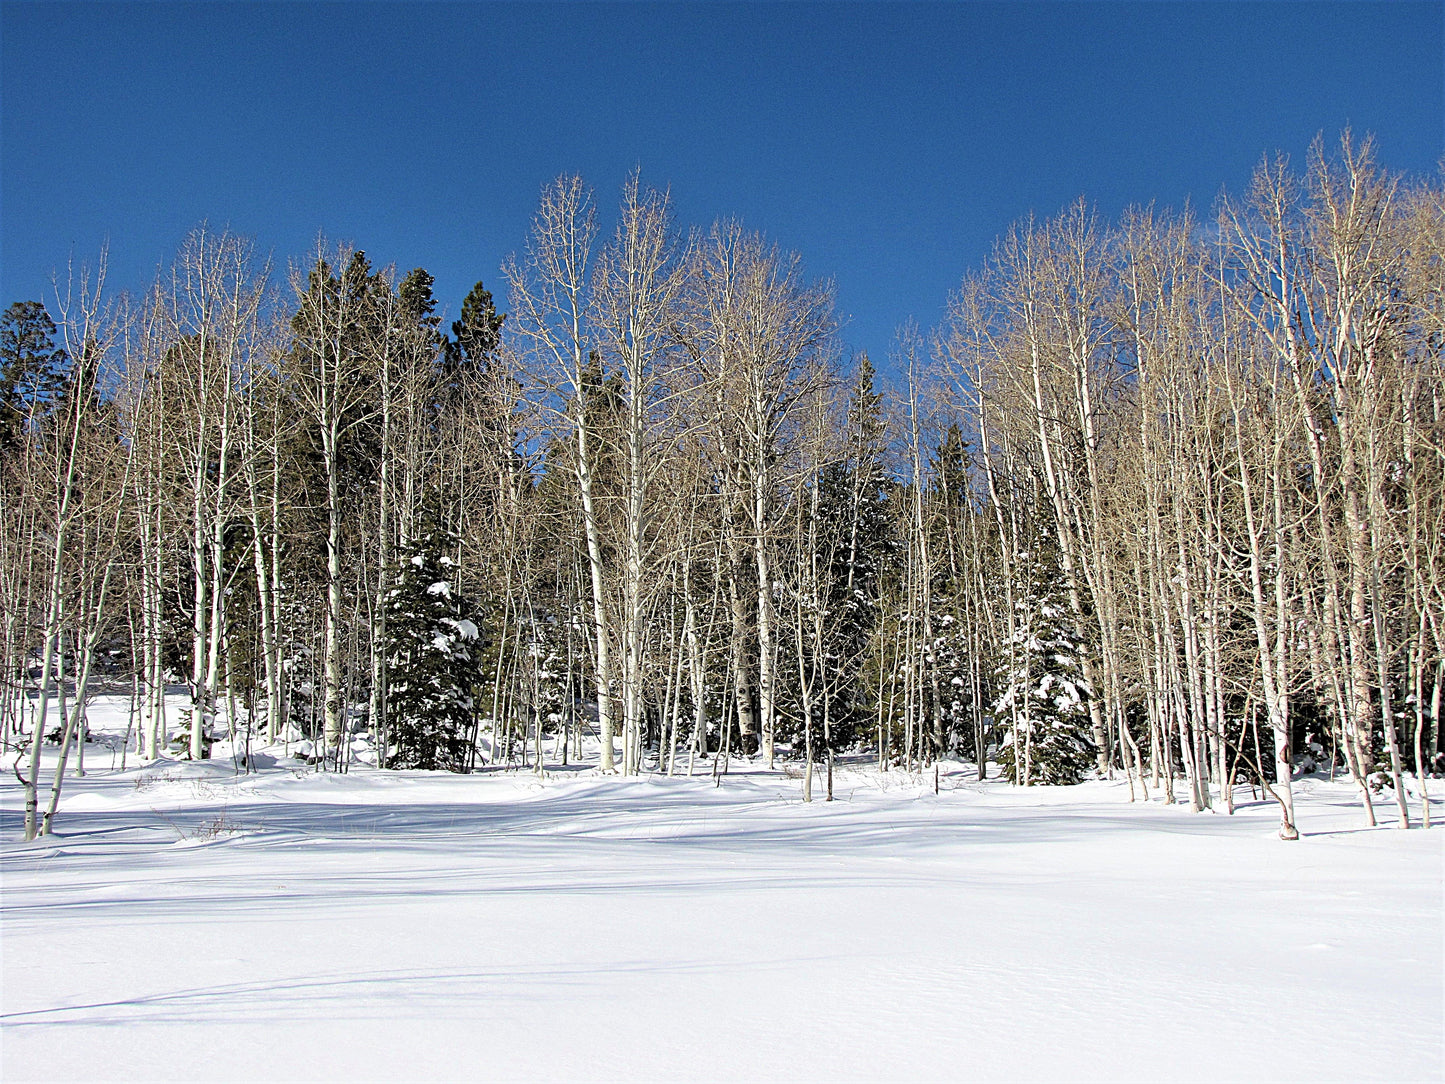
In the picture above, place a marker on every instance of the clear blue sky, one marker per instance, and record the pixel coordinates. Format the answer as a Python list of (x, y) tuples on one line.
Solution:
[(888, 144)]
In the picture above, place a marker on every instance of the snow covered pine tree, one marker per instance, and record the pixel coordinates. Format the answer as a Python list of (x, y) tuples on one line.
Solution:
[(432, 652), (1042, 695)]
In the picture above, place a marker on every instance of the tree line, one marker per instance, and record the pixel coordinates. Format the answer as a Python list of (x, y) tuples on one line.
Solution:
[(1161, 497)]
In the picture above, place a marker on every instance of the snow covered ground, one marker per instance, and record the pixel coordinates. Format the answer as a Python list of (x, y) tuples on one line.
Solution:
[(188, 923)]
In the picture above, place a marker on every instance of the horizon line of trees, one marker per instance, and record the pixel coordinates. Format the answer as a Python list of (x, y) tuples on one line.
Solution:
[(1159, 497)]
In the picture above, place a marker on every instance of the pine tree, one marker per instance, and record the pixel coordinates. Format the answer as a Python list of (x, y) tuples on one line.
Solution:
[(857, 535), (948, 655), (1042, 697), (420, 340), (477, 334), (949, 504), (32, 370), (433, 653)]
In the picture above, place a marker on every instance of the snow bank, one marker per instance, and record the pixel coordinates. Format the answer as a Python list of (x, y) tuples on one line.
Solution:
[(187, 923)]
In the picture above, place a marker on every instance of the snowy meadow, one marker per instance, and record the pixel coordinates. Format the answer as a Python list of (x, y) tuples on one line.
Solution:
[(191, 921)]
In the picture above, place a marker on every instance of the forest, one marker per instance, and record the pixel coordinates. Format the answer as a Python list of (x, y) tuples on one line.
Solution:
[(1161, 498)]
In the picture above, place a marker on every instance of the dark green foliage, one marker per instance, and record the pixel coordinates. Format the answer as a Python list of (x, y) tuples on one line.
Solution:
[(858, 497), (469, 382), (416, 338), (855, 538), (951, 508), (415, 300), (32, 370), (433, 653), (335, 331), (477, 334), (1040, 683)]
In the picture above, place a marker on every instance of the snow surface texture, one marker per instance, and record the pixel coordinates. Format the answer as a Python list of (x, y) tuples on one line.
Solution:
[(187, 923)]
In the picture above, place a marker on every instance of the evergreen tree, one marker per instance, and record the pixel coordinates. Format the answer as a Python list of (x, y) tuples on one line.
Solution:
[(336, 338), (948, 655), (32, 370), (1042, 699), (419, 343), (857, 535), (469, 379), (950, 507), (477, 334), (433, 653), (416, 301)]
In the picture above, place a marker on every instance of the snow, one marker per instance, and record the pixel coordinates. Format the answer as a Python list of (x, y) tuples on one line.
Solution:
[(189, 923)]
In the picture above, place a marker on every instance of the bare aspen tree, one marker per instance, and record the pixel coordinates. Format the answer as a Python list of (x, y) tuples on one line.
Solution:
[(922, 570), (98, 538), (84, 325), (143, 407), (261, 453), (332, 351), (549, 296), (213, 298), (766, 336), (636, 292)]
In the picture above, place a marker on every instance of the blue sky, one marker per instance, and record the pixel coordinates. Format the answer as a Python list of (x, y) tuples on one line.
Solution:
[(888, 144)]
